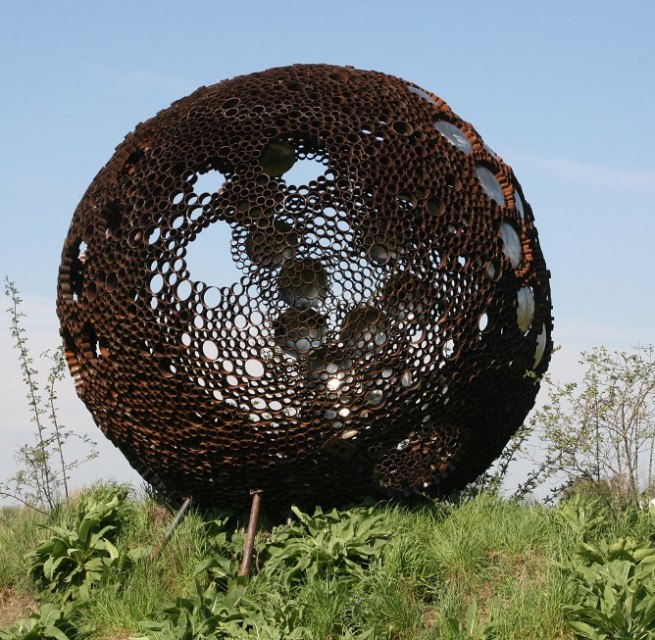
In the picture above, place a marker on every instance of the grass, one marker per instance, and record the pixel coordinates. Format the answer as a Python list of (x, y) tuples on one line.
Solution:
[(486, 568), (19, 533), (502, 556)]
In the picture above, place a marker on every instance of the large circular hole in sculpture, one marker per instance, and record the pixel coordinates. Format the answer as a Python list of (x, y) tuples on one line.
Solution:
[(304, 171), (209, 182), (540, 349), (209, 256)]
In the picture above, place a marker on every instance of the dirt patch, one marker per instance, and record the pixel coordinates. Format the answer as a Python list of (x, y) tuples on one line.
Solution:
[(430, 618), (14, 606), (528, 570)]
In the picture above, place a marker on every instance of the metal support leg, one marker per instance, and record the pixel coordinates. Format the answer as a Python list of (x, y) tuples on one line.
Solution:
[(252, 530), (169, 532)]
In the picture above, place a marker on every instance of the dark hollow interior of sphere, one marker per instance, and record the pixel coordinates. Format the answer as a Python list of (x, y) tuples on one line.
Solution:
[(389, 312)]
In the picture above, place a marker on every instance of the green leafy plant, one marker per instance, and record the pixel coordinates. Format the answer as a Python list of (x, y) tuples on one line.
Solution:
[(41, 483), (334, 543), (614, 591), (213, 613), (209, 613), (73, 559), (223, 549), (50, 621), (432, 561), (583, 515)]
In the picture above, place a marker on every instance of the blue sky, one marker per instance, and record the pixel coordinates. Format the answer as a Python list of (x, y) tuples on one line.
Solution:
[(562, 90)]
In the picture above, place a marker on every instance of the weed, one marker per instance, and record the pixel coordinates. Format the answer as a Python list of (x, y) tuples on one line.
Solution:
[(50, 621), (74, 559), (614, 590), (41, 483), (334, 543)]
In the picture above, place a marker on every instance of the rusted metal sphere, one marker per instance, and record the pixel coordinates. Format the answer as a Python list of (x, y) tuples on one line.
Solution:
[(391, 302)]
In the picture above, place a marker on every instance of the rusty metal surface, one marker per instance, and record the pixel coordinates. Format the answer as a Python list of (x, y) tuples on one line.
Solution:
[(249, 545), (378, 337)]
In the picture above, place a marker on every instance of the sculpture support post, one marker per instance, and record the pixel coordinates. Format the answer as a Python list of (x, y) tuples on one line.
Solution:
[(252, 530), (171, 530)]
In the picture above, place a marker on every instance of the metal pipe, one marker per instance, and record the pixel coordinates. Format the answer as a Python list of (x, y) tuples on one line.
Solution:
[(252, 530), (171, 529)]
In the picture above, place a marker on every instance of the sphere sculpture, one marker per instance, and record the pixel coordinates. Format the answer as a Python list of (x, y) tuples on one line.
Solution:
[(391, 303)]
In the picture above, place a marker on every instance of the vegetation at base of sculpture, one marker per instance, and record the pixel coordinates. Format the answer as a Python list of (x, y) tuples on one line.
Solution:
[(485, 568)]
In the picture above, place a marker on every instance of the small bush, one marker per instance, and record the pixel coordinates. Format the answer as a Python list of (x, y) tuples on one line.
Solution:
[(50, 621), (614, 590), (73, 559), (340, 543)]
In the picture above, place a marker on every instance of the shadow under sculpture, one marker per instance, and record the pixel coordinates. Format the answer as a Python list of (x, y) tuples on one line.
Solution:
[(390, 304)]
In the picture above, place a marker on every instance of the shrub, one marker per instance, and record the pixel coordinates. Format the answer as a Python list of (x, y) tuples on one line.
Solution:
[(75, 558), (614, 587), (49, 621), (333, 543)]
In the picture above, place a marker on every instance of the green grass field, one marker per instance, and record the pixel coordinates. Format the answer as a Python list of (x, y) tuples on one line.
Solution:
[(486, 568)]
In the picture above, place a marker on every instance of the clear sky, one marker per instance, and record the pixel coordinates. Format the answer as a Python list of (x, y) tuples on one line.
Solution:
[(564, 91)]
